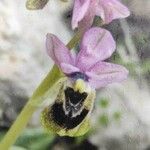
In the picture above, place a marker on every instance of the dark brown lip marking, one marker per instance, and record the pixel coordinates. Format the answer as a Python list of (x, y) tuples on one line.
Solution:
[(74, 96), (66, 121), (74, 101)]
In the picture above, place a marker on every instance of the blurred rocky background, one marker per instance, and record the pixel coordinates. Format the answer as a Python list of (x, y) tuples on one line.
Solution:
[(121, 118)]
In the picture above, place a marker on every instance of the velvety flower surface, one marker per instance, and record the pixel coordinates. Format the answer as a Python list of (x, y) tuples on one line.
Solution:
[(85, 10), (96, 46)]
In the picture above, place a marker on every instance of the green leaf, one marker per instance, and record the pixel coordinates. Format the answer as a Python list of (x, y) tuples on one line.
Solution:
[(35, 139), (17, 148), (36, 4), (2, 133)]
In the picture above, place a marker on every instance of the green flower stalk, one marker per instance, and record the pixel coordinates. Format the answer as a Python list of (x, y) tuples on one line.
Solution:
[(34, 102)]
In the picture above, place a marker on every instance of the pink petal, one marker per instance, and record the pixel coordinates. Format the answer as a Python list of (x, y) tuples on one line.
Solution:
[(58, 51), (79, 11), (97, 44), (109, 10), (68, 69), (103, 73), (87, 21)]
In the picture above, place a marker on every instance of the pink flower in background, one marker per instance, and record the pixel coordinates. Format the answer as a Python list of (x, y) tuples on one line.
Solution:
[(84, 11), (96, 46)]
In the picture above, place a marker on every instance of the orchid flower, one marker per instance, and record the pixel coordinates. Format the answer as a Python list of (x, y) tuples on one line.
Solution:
[(96, 46), (84, 12), (70, 113)]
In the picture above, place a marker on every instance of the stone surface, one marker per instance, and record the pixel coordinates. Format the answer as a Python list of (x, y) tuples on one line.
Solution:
[(23, 58)]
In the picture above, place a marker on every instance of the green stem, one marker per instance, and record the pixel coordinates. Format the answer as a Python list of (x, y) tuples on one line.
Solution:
[(29, 109)]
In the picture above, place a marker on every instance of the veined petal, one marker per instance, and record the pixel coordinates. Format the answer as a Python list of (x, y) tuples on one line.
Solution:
[(68, 69), (58, 51), (109, 10), (87, 21), (97, 44), (79, 11), (103, 73)]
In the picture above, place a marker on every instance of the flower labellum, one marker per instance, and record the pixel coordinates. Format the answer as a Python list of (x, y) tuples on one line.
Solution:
[(69, 115), (86, 71), (84, 12)]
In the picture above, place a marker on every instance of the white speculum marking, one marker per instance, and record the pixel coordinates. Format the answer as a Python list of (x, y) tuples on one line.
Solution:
[(74, 102)]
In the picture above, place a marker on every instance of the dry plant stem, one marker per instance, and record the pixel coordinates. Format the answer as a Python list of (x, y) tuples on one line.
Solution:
[(29, 109)]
